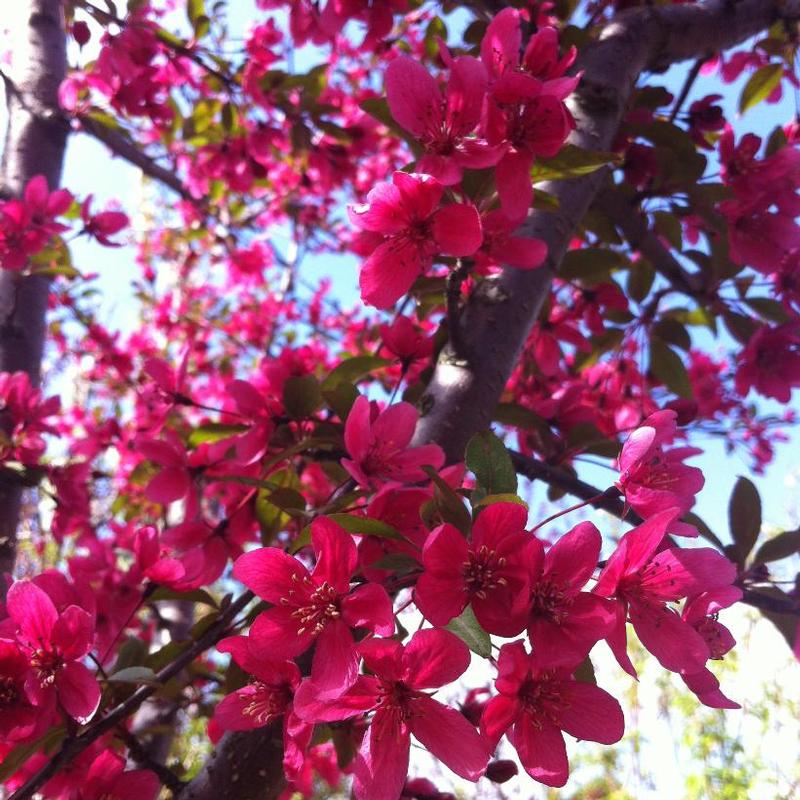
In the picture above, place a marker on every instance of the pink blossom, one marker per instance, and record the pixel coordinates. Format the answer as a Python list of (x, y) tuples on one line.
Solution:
[(414, 230), (54, 644), (563, 621), (396, 691), (378, 444), (442, 124), (653, 478), (108, 779), (538, 701), (18, 716), (701, 613), (643, 579), (314, 606), (770, 363), (266, 698), (486, 572)]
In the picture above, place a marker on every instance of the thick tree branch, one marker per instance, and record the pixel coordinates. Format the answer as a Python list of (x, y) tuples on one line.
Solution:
[(501, 312), (34, 145)]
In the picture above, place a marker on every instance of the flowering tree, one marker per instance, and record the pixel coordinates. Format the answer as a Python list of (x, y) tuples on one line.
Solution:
[(545, 236)]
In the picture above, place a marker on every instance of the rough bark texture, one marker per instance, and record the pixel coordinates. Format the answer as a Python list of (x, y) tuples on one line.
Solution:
[(463, 393), (245, 766), (34, 145)]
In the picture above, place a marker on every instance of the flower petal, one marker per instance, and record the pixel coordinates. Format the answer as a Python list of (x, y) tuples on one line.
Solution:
[(448, 735), (335, 664), (369, 607), (336, 554), (390, 271), (541, 751), (433, 658), (590, 713), (78, 691), (457, 229), (33, 612), (381, 766), (413, 96), (270, 573)]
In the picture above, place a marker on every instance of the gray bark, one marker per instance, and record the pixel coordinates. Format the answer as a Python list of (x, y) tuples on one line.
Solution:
[(34, 145)]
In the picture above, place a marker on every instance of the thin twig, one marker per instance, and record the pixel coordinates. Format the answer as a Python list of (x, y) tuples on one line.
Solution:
[(534, 469), (687, 87)]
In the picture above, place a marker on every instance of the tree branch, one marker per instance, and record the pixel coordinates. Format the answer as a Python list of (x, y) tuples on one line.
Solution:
[(124, 148), (535, 470), (34, 145), (634, 227), (502, 310)]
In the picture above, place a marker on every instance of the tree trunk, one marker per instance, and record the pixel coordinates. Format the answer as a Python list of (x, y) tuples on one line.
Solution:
[(34, 145)]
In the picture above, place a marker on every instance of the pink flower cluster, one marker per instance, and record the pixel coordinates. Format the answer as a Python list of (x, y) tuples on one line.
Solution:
[(496, 112), (514, 584)]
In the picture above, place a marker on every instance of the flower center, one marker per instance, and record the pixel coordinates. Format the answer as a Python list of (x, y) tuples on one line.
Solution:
[(395, 696), (46, 663), (480, 571), (266, 703), (321, 607), (549, 601), (9, 692), (541, 698)]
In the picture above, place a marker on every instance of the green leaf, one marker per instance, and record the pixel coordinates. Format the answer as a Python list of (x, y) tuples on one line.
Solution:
[(571, 162), (584, 672), (194, 596), (673, 332), (271, 505), (499, 498), (785, 623), (769, 309), (641, 276), (744, 517), (489, 461), (194, 9), (302, 396), (396, 562), (340, 399), (760, 86), (134, 675), (781, 546), (469, 630), (518, 416), (378, 108), (213, 432), (351, 369), (436, 30), (366, 526), (667, 366), (450, 505), (703, 529), (590, 264)]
